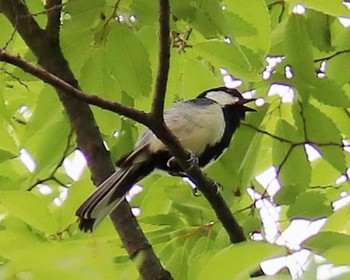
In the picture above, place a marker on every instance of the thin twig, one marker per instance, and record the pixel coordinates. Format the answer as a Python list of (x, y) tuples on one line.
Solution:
[(58, 165), (113, 15), (331, 56), (267, 133)]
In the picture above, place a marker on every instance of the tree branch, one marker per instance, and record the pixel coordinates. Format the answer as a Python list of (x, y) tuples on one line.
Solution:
[(53, 10), (164, 61), (207, 186)]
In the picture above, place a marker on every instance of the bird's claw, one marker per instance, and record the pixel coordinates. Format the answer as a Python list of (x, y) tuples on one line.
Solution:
[(196, 192), (173, 163), (192, 158)]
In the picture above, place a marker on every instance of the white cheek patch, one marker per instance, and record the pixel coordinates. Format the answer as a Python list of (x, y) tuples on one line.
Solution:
[(222, 98)]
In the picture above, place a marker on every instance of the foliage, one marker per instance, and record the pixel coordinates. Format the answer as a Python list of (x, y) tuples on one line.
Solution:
[(112, 49)]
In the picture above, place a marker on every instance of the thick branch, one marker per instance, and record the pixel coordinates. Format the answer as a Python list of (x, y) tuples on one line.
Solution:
[(53, 10)]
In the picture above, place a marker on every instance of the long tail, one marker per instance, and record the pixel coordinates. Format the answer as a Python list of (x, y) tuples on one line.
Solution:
[(109, 194)]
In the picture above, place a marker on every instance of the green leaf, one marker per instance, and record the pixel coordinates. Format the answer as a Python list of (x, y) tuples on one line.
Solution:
[(238, 27), (339, 117), (146, 11), (299, 52), (99, 81), (206, 16), (154, 200), (339, 221), (251, 224), (342, 40), (16, 237), (319, 127), (130, 65), (77, 34), (6, 31), (339, 255), (67, 260), (326, 240), (335, 156), (78, 192), (241, 158), (334, 8), (237, 59), (337, 68), (328, 92), (310, 205), (29, 208), (295, 175), (47, 140), (249, 254), (318, 30), (197, 78), (295, 170), (8, 146), (255, 13), (178, 262)]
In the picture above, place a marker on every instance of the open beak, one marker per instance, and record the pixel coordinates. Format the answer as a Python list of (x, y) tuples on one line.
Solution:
[(242, 102)]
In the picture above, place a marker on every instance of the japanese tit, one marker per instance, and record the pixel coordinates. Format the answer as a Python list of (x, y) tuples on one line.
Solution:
[(203, 125)]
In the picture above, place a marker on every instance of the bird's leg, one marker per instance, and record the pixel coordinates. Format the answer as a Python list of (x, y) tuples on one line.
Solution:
[(174, 165), (192, 160)]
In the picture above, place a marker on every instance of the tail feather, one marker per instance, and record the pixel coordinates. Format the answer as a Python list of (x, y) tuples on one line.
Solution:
[(109, 194)]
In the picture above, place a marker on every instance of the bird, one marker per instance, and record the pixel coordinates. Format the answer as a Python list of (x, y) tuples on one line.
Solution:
[(203, 125)]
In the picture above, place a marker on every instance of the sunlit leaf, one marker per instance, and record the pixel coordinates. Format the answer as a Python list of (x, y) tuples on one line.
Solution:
[(328, 92), (339, 255), (249, 255), (326, 240), (239, 60), (318, 30), (299, 52), (337, 68), (310, 205), (248, 11), (126, 62), (19, 203), (334, 8)]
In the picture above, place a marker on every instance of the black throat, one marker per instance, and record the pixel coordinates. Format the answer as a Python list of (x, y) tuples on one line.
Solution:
[(232, 116)]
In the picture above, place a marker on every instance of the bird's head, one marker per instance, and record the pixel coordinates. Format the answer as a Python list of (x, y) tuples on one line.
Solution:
[(228, 97)]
